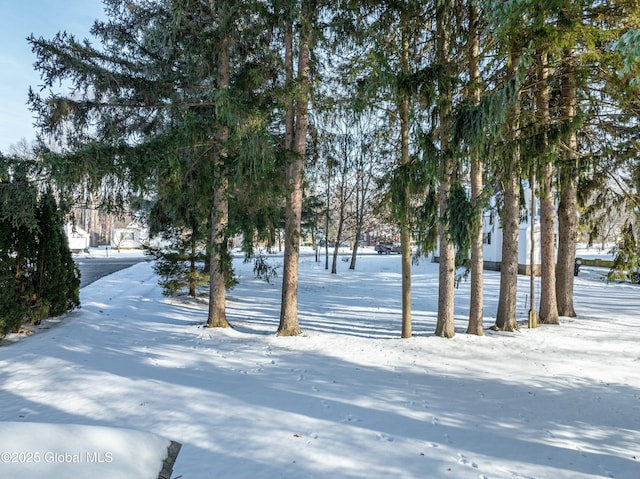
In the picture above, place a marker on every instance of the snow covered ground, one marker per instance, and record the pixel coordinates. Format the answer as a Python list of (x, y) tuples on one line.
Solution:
[(349, 399)]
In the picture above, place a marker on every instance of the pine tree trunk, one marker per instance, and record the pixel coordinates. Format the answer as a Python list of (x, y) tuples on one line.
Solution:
[(446, 287), (405, 231), (568, 207), (220, 209), (506, 315), (217, 289), (548, 304), (289, 325), (192, 266), (506, 319), (477, 247)]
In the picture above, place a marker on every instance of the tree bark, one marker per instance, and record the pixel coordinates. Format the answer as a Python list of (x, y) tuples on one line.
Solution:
[(548, 304), (289, 325), (477, 247), (506, 319), (446, 287), (568, 207), (506, 315), (343, 197), (217, 288), (362, 189), (405, 232), (220, 209)]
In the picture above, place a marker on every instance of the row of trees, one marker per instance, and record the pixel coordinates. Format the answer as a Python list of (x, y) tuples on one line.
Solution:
[(215, 108)]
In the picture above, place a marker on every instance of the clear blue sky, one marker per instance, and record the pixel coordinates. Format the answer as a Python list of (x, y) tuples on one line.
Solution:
[(20, 18)]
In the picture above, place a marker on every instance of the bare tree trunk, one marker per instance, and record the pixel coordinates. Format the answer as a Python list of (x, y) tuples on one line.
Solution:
[(327, 213), (343, 198), (446, 287), (336, 249), (477, 247), (568, 207), (358, 227), (548, 303), (362, 188), (289, 325)]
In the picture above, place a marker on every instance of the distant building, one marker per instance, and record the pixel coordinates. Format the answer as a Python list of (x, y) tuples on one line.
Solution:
[(132, 236), (77, 238), (492, 239)]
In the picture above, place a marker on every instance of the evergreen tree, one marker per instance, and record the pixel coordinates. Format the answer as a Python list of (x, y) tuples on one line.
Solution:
[(445, 35), (391, 71), (476, 312), (38, 278), (296, 127), (18, 245), (171, 80), (57, 278)]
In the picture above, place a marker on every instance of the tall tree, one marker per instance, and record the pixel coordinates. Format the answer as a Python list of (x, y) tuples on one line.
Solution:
[(568, 185), (447, 265), (403, 103), (365, 161), (171, 79), (391, 67), (477, 247), (509, 181), (548, 306), (217, 317), (297, 119)]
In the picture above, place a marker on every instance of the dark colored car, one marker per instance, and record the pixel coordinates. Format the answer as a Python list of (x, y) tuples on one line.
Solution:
[(382, 248), (387, 248)]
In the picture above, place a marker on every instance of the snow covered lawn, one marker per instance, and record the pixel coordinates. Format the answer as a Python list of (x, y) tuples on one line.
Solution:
[(349, 399), (43, 451)]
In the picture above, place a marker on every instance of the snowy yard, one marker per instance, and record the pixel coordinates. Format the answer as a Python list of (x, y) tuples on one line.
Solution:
[(349, 399)]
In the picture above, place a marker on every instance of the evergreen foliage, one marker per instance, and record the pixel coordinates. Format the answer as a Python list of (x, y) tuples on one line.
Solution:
[(177, 100), (181, 269), (191, 103), (626, 263), (38, 278)]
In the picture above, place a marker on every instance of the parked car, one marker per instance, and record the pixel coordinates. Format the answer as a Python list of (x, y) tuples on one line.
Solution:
[(382, 248), (388, 248)]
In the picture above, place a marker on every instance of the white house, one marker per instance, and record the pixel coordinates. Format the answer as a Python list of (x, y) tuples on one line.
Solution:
[(492, 234), (77, 238), (130, 237)]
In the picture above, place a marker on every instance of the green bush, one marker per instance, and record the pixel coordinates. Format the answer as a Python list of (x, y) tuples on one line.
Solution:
[(38, 278)]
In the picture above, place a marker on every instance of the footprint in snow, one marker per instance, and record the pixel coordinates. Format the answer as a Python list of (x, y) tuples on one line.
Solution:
[(606, 472), (462, 459), (384, 437), (351, 418)]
